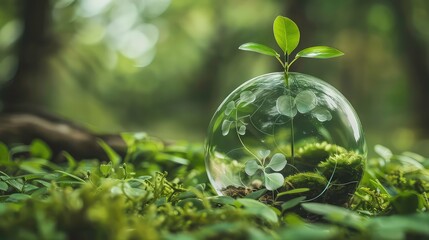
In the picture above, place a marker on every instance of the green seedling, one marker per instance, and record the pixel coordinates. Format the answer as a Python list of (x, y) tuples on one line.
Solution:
[(287, 36)]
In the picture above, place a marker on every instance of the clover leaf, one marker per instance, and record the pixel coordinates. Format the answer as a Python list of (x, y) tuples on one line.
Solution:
[(247, 97), (226, 125), (286, 106), (305, 101), (229, 108), (278, 162), (272, 181), (322, 114), (251, 167)]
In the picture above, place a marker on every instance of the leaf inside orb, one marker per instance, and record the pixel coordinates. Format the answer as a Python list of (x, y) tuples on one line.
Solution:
[(285, 106), (320, 52), (286, 33), (305, 101), (251, 167), (226, 125), (278, 162), (322, 114), (247, 97), (273, 181), (229, 107), (264, 153), (242, 130)]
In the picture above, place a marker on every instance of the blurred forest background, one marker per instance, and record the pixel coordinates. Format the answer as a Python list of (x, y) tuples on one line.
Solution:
[(163, 66)]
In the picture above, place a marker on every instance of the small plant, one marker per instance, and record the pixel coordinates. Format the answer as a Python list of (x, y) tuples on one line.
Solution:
[(286, 34), (277, 163)]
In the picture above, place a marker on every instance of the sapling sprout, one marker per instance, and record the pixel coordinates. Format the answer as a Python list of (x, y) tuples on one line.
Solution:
[(287, 36)]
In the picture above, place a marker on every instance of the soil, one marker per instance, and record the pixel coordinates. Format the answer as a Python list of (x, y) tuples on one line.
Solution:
[(240, 192)]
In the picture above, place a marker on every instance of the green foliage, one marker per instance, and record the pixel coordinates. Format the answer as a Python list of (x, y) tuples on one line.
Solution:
[(273, 180), (287, 36), (136, 199), (286, 33)]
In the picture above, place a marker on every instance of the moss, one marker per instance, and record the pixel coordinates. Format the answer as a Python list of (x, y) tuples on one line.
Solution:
[(346, 170), (312, 180), (345, 167), (310, 155)]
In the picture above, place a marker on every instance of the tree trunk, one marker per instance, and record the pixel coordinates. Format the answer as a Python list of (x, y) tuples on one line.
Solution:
[(414, 51), (34, 47)]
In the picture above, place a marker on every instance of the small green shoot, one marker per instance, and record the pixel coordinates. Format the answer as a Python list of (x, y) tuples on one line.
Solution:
[(287, 36)]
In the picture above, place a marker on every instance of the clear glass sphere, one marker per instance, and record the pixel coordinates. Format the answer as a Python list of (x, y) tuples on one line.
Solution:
[(293, 138)]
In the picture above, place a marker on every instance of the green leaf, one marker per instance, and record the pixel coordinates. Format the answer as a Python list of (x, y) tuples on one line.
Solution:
[(105, 169), (305, 101), (18, 197), (70, 160), (71, 175), (171, 157), (285, 106), (224, 200), (336, 214), (242, 130), (264, 153), (229, 107), (4, 153), (273, 181), (278, 162), (43, 183), (17, 184), (3, 186), (256, 194), (35, 165), (286, 33), (320, 52), (226, 125), (259, 48), (322, 114), (247, 97), (251, 167), (131, 139), (383, 152), (259, 209), (292, 203), (111, 154), (40, 149), (293, 191)]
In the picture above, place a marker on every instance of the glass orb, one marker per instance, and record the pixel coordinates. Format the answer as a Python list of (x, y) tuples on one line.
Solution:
[(295, 138)]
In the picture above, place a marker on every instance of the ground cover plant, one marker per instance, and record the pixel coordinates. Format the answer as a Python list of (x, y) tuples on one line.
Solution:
[(160, 191)]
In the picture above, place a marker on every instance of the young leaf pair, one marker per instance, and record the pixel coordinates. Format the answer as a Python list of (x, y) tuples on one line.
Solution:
[(286, 34)]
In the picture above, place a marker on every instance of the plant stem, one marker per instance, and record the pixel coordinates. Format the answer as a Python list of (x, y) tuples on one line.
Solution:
[(286, 66), (241, 141), (290, 64)]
